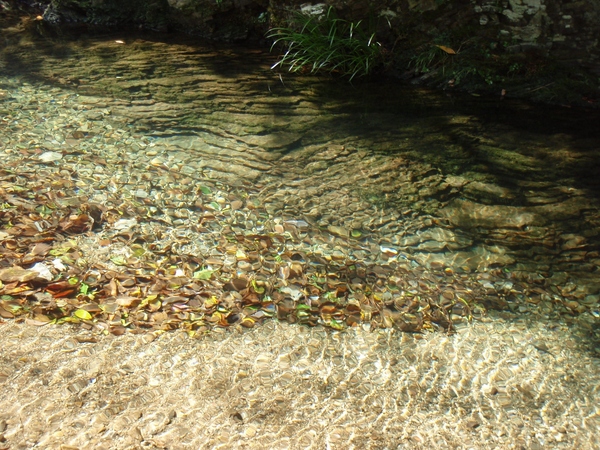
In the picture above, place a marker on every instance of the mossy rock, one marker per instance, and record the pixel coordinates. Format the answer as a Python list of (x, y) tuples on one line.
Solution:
[(109, 13)]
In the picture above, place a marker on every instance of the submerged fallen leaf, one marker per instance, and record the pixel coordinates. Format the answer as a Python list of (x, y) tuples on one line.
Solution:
[(6, 314), (214, 206), (18, 274), (41, 249), (50, 156), (37, 323), (83, 314), (338, 231), (126, 301), (43, 271), (236, 284), (13, 289), (118, 330), (118, 260), (61, 289), (248, 322), (203, 274), (77, 224)]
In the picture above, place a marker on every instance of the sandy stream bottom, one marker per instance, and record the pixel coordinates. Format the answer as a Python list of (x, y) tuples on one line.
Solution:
[(493, 384)]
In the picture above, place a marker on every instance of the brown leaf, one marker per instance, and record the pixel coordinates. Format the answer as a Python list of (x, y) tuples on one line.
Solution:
[(37, 323), (61, 289), (236, 284), (41, 249), (16, 273), (77, 224), (328, 309), (446, 49), (248, 322), (6, 314), (126, 301), (95, 211), (159, 317), (251, 299), (118, 330), (113, 288), (24, 288)]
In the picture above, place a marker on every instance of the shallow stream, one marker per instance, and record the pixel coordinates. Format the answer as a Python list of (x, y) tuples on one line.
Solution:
[(409, 193)]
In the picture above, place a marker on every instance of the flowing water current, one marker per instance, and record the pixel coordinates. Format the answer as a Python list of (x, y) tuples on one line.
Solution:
[(486, 203)]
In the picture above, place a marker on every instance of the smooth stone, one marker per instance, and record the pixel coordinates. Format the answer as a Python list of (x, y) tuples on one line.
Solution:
[(486, 191), (272, 141), (50, 156), (431, 246), (469, 214), (423, 239), (338, 231), (476, 259)]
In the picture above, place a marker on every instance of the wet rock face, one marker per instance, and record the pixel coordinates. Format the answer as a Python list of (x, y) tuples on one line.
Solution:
[(564, 30), (567, 30), (152, 14), (224, 20)]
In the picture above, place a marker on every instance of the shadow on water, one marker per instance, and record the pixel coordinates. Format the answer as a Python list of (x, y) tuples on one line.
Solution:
[(23, 37), (365, 108), (509, 141), (557, 143)]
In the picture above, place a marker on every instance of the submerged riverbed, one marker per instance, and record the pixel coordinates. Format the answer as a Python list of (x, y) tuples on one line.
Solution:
[(151, 186)]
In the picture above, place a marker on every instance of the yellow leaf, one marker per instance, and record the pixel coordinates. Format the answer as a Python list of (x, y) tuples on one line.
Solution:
[(210, 302), (82, 314), (446, 49)]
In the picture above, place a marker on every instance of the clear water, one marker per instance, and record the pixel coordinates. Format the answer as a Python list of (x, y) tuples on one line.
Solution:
[(503, 191), (436, 193)]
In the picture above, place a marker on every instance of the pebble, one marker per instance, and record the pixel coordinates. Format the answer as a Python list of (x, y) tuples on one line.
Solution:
[(50, 156), (158, 162)]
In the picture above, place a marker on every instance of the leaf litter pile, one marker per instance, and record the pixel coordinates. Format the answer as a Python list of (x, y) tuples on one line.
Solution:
[(149, 249)]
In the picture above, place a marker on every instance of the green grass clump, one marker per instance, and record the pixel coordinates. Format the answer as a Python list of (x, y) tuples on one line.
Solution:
[(326, 44)]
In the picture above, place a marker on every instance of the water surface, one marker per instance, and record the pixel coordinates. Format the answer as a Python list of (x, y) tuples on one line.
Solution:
[(388, 193)]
